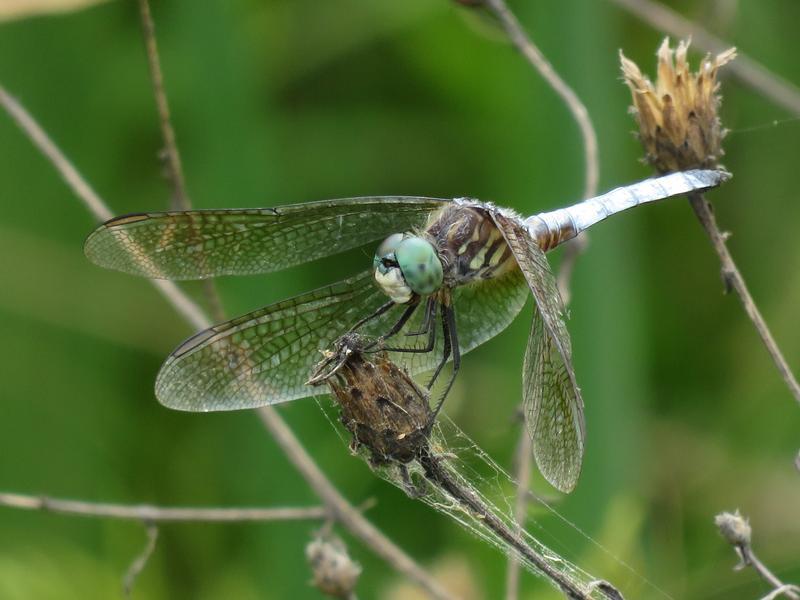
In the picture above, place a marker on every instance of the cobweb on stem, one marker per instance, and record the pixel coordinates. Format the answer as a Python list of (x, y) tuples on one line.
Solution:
[(393, 430)]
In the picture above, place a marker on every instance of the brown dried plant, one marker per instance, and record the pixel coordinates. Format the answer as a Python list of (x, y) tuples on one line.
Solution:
[(678, 122)]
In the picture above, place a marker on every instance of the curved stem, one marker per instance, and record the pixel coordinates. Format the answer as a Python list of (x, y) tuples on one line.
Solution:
[(535, 57), (734, 280)]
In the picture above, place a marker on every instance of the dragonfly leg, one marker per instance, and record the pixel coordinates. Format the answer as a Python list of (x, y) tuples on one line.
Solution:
[(431, 331), (383, 308), (447, 347), (449, 320), (427, 323), (407, 314)]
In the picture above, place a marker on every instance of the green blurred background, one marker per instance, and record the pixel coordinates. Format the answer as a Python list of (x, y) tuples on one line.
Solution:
[(285, 101)]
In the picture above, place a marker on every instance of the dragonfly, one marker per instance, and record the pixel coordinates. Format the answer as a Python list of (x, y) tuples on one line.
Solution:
[(448, 275)]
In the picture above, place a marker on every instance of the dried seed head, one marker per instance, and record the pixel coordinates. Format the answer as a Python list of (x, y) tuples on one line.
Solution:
[(734, 528), (335, 573), (381, 405), (678, 123)]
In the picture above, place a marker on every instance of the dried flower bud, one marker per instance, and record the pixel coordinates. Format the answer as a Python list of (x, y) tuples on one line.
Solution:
[(734, 528), (678, 123), (335, 573)]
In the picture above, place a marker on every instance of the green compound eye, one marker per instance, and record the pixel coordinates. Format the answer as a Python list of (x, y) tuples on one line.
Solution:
[(419, 264), (386, 250)]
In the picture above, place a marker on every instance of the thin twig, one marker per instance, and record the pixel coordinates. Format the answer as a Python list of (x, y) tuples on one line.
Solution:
[(139, 563), (572, 250), (749, 71), (523, 459), (733, 279), (150, 513), (736, 530), (67, 171), (524, 452), (343, 512), (784, 590), (172, 157), (297, 454), (535, 57), (438, 474), (749, 558), (180, 301), (346, 513)]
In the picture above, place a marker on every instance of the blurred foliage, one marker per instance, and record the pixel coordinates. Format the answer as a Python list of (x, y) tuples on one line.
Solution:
[(284, 101)]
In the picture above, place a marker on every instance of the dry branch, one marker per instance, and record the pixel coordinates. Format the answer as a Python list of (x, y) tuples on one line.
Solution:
[(737, 532), (680, 129), (344, 512), (171, 155), (140, 562), (185, 306), (534, 56), (150, 513), (734, 280), (574, 248)]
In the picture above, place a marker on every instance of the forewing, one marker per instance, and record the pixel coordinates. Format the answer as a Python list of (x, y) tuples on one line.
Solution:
[(206, 243), (264, 357), (553, 403)]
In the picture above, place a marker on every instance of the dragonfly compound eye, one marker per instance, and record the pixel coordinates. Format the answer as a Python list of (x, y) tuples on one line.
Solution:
[(384, 255), (420, 265), (387, 271)]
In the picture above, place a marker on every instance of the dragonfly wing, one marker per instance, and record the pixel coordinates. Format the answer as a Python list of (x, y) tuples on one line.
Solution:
[(266, 356), (553, 409), (205, 243), (482, 309), (552, 399), (486, 308)]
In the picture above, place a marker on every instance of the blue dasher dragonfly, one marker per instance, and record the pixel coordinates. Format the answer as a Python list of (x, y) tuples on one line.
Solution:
[(468, 264)]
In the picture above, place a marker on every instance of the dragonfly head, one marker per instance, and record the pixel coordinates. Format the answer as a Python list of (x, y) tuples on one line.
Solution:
[(406, 265)]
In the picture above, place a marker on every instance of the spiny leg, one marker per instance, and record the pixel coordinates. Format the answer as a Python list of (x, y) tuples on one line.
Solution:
[(430, 314), (382, 309), (447, 347), (449, 320), (407, 314)]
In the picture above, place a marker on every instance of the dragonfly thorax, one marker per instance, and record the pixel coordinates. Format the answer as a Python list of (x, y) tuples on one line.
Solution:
[(469, 242), (407, 265)]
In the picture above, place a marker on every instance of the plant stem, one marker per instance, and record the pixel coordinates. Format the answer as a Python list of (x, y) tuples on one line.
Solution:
[(734, 280), (150, 513)]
